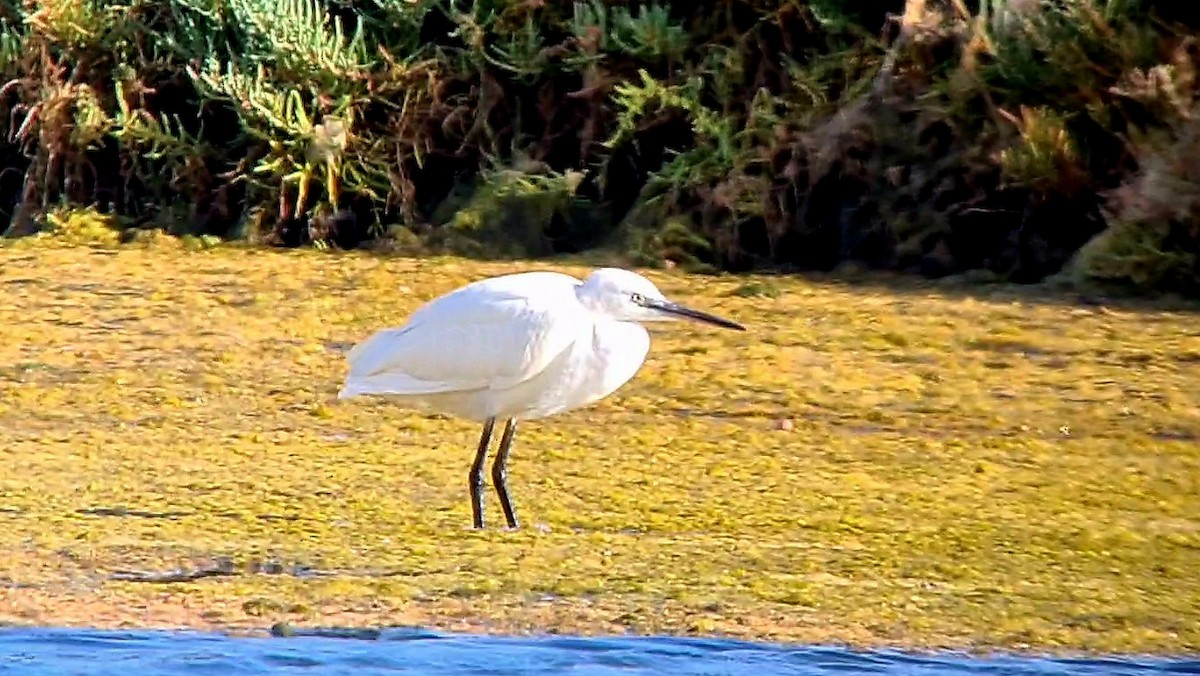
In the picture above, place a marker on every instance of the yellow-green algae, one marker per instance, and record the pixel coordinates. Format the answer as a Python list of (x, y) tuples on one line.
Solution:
[(880, 468)]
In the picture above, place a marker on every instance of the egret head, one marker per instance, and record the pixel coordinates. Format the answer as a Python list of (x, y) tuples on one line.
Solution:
[(628, 296)]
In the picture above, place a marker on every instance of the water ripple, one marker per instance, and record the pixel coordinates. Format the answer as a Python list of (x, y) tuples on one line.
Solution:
[(63, 652)]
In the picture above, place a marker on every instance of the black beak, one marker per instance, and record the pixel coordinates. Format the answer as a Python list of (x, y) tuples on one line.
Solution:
[(687, 312)]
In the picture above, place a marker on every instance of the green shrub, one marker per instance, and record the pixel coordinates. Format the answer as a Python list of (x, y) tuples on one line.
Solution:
[(1153, 240), (922, 135)]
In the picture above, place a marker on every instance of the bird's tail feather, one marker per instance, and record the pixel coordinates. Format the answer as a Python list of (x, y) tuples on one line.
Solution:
[(390, 384)]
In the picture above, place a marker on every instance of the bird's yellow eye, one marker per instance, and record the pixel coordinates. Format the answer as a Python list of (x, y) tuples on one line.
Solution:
[(637, 298)]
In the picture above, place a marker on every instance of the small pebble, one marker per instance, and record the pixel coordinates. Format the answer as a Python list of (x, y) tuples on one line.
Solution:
[(282, 630)]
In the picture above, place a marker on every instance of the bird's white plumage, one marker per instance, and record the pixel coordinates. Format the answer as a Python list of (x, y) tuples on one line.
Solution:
[(482, 335), (526, 345), (520, 346)]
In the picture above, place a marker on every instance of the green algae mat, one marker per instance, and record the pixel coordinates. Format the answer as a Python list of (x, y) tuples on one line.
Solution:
[(914, 468)]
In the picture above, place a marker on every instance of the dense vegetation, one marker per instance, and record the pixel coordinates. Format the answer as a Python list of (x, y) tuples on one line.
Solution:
[(1023, 137)]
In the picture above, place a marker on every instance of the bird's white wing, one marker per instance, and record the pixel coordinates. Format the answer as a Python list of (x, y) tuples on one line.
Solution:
[(492, 334)]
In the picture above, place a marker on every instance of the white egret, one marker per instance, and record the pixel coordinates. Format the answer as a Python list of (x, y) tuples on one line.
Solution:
[(516, 347)]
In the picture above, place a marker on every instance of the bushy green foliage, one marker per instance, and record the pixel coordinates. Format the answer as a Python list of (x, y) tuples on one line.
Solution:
[(931, 135), (1153, 242)]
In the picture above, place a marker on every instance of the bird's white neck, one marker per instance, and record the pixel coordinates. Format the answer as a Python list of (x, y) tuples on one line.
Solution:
[(597, 301)]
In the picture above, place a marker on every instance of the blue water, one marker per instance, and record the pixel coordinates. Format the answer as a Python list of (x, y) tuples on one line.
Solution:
[(67, 652)]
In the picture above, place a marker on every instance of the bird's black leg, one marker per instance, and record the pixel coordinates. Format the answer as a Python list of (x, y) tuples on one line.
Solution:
[(500, 472), (476, 476)]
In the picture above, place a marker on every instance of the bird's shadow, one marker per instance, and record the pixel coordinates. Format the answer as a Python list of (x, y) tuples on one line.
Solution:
[(341, 347)]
